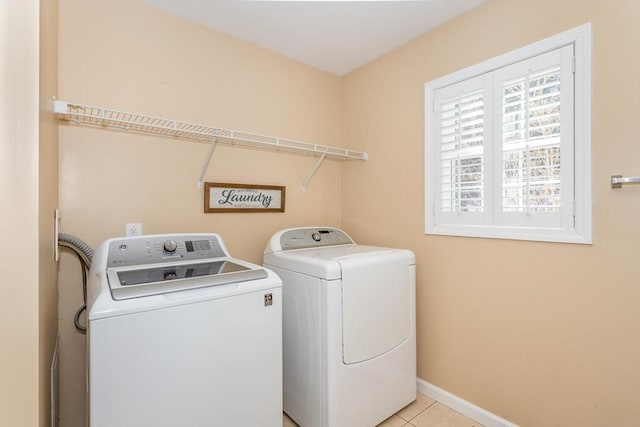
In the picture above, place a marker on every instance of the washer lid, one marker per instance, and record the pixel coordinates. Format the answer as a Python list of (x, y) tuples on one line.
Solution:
[(138, 281)]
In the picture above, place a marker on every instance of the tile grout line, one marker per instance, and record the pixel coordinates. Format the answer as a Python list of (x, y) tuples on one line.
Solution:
[(420, 413)]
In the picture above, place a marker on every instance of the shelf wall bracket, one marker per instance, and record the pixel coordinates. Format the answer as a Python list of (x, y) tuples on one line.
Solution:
[(313, 172), (205, 166), (60, 107)]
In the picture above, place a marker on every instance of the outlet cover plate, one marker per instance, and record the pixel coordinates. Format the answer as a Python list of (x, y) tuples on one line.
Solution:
[(133, 229)]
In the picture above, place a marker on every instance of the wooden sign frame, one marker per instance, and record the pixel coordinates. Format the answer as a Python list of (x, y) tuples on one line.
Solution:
[(222, 197)]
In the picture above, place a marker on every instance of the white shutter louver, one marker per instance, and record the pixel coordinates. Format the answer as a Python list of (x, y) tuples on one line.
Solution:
[(461, 153)]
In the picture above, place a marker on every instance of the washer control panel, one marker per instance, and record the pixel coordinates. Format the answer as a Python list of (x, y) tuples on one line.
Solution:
[(158, 249), (300, 238)]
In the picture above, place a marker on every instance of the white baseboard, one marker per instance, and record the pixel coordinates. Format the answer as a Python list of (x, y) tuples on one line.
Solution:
[(460, 405)]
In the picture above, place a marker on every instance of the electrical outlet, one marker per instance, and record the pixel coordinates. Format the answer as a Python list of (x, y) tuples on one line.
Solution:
[(133, 229)]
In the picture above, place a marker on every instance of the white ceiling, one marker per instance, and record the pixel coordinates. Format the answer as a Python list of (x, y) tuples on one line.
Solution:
[(335, 36)]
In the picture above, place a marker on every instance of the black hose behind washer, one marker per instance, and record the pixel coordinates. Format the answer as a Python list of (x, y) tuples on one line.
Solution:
[(85, 256)]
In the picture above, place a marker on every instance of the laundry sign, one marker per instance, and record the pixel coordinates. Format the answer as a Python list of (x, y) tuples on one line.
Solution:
[(224, 197)]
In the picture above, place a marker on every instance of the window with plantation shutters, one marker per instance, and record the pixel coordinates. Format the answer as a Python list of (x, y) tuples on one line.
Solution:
[(508, 145)]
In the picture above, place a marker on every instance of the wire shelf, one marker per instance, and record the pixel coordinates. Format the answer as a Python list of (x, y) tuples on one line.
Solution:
[(97, 116)]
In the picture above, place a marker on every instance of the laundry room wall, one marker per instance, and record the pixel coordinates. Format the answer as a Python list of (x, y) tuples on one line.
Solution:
[(47, 203), (130, 56), (29, 194), (19, 317), (542, 334)]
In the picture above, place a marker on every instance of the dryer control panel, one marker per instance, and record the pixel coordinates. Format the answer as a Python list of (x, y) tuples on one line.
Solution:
[(300, 238), (160, 249)]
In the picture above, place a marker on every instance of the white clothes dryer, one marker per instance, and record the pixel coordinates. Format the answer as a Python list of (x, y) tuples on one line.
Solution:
[(182, 334), (349, 346)]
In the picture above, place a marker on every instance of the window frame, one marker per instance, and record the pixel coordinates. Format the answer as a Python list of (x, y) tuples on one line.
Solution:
[(581, 232)]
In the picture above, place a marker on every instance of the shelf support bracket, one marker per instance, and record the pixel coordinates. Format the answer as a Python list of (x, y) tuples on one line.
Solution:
[(313, 172), (206, 162)]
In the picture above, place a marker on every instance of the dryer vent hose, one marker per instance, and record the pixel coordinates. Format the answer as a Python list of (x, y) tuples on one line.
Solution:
[(85, 255)]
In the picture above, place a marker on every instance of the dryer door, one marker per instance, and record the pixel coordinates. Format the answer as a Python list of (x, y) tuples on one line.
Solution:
[(376, 304)]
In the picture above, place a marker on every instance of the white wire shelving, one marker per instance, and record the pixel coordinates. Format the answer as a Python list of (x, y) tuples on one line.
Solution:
[(139, 123)]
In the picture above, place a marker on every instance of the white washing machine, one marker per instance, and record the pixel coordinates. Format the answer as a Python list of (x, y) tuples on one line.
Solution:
[(182, 334), (348, 327)]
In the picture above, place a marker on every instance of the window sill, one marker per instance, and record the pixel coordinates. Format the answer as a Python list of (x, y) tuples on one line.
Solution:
[(554, 235)]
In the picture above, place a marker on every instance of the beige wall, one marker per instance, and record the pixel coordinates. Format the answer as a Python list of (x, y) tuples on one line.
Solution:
[(133, 57), (48, 200), (19, 214), (541, 334), (28, 189)]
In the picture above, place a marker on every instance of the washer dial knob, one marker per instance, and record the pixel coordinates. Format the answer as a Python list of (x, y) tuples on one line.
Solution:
[(316, 237), (170, 246)]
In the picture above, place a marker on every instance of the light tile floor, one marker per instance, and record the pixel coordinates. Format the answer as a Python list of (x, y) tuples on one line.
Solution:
[(423, 412)]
